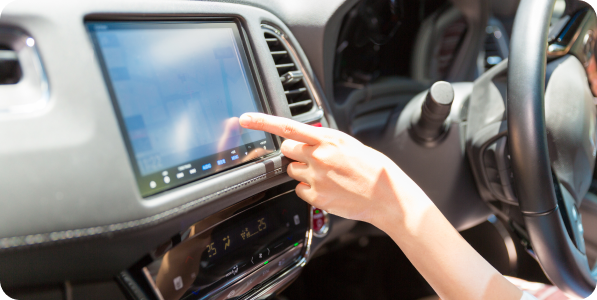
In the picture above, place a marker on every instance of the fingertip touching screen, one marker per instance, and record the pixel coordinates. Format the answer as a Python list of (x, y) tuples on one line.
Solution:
[(178, 89)]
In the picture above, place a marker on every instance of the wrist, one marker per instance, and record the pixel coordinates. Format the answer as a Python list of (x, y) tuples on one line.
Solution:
[(402, 202)]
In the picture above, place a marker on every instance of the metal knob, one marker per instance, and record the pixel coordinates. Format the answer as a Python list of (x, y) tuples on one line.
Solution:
[(430, 125)]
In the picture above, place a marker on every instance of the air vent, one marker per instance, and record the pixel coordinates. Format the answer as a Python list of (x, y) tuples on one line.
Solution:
[(300, 98), (10, 70), (495, 46), (23, 84)]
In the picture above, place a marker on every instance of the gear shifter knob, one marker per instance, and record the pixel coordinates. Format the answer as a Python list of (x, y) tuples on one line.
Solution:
[(430, 124)]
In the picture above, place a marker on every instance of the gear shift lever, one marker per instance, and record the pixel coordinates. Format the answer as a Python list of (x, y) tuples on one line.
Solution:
[(430, 125)]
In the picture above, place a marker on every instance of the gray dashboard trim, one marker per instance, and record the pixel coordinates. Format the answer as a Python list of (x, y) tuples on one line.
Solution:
[(58, 236), (71, 159), (69, 205)]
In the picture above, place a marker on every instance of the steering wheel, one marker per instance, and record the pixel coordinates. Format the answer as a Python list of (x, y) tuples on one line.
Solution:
[(551, 138)]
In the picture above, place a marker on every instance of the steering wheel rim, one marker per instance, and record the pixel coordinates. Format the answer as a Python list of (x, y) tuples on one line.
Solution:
[(557, 254)]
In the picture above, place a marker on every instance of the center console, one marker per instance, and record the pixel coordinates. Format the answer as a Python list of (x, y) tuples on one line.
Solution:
[(178, 87), (230, 254)]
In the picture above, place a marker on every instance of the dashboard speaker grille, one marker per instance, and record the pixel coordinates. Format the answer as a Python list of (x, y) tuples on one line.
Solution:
[(298, 95)]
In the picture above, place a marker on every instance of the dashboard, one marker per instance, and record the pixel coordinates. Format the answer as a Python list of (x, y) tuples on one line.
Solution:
[(127, 175), (134, 171)]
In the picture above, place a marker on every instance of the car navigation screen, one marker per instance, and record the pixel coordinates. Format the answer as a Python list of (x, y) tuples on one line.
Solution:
[(178, 89)]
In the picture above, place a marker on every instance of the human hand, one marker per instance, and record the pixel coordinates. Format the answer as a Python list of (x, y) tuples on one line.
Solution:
[(231, 137), (337, 172)]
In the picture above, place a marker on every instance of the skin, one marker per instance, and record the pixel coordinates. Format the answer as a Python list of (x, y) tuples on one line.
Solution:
[(339, 174)]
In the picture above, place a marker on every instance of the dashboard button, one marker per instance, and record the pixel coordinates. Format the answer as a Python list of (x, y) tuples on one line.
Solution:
[(320, 222), (262, 274)]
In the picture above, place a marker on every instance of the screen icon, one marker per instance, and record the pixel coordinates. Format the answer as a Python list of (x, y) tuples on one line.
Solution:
[(221, 161), (234, 157), (296, 220), (192, 171), (180, 175), (166, 179), (178, 283), (206, 167), (152, 184)]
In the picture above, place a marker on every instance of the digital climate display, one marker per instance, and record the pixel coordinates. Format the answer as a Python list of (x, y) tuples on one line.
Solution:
[(241, 235), (261, 240), (178, 89)]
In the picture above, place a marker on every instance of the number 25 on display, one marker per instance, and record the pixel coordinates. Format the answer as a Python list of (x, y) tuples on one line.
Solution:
[(211, 248)]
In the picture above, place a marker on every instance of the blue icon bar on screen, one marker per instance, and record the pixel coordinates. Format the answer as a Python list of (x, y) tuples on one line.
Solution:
[(206, 167), (234, 157), (221, 162)]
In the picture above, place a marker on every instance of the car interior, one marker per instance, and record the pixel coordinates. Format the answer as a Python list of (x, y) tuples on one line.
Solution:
[(120, 178)]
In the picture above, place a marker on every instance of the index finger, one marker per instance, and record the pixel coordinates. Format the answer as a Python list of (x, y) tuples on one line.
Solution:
[(283, 127)]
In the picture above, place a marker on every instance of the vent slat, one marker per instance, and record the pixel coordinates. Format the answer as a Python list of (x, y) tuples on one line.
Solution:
[(8, 55), (295, 92), (282, 66), (301, 103), (10, 69)]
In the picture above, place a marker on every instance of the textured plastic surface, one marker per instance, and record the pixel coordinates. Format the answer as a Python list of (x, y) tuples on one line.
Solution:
[(66, 175), (442, 169)]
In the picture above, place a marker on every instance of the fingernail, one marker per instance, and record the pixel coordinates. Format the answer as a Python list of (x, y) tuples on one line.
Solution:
[(244, 120)]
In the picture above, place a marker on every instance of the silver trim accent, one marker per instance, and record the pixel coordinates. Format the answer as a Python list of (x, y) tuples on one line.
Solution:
[(283, 279), (288, 275), (73, 234), (153, 286), (33, 77)]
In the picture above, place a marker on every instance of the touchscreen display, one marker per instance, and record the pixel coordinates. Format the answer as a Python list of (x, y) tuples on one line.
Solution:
[(178, 89)]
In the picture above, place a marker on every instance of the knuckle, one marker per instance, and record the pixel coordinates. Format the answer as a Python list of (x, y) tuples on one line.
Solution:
[(285, 147), (289, 129), (318, 177), (320, 156), (259, 123), (291, 169), (317, 200)]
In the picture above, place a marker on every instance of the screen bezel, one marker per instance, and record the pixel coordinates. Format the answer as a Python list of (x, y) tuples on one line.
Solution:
[(251, 71)]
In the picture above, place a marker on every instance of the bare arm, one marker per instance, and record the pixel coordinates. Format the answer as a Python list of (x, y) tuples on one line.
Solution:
[(344, 177)]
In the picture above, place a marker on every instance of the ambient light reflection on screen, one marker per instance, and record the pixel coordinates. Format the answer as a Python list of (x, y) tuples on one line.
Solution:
[(180, 90)]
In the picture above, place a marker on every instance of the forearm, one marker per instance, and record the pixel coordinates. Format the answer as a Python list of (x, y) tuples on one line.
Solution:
[(348, 179), (450, 265)]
